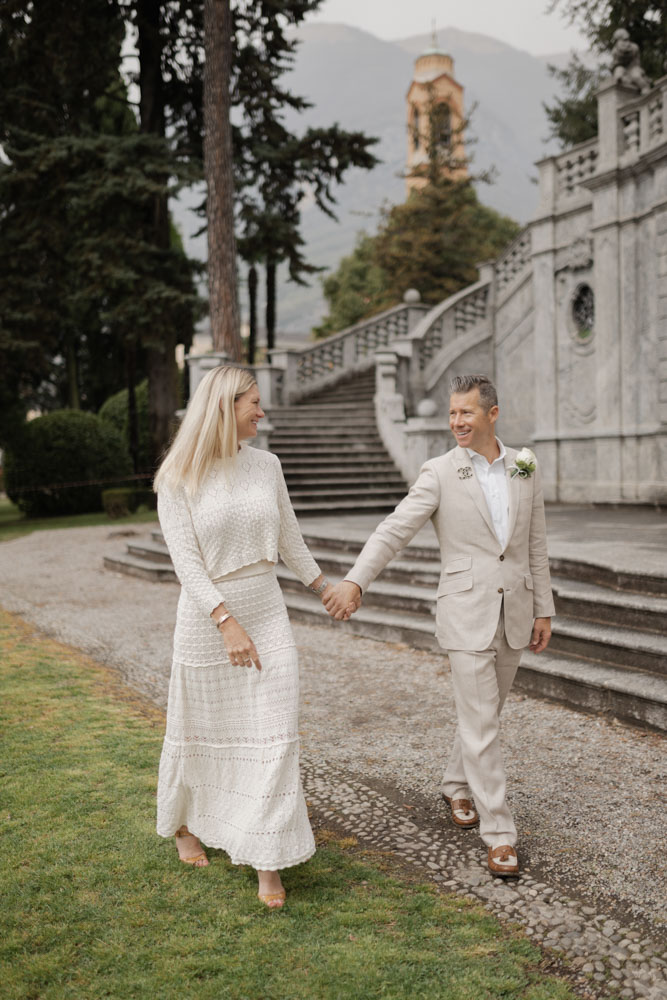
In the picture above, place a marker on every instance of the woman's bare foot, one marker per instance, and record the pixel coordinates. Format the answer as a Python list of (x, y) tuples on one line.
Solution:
[(271, 890), (190, 849)]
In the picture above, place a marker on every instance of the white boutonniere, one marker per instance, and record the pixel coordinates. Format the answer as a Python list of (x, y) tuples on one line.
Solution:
[(525, 464)]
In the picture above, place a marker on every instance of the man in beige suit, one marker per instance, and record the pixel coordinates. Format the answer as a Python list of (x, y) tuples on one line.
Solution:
[(494, 595)]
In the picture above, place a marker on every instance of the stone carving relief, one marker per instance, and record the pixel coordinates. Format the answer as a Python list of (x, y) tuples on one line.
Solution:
[(576, 351), (626, 64), (577, 257)]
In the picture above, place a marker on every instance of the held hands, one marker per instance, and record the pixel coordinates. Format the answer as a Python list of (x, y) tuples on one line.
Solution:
[(541, 635), (342, 600)]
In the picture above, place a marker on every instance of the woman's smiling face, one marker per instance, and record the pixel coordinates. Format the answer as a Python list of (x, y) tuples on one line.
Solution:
[(248, 413)]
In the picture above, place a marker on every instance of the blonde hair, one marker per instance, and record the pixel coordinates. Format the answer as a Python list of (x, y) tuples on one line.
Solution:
[(208, 430)]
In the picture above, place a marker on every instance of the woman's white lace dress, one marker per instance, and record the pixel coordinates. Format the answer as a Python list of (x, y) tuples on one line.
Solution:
[(230, 762)]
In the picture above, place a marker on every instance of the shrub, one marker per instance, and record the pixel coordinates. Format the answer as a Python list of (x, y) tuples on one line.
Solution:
[(58, 449), (125, 500), (114, 412), (120, 502)]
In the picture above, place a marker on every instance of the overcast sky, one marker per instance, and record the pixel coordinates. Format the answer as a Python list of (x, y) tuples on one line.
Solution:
[(521, 23)]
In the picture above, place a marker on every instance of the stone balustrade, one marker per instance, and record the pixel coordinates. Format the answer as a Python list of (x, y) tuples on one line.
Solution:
[(578, 164), (305, 370), (514, 262)]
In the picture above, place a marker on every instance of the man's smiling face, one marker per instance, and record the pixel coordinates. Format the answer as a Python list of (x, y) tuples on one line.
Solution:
[(472, 425)]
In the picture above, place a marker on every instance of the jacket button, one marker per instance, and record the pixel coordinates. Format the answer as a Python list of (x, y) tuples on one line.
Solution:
[(500, 590), (501, 558)]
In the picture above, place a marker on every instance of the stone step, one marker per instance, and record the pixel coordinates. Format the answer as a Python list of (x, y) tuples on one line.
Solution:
[(147, 569), (326, 427), (610, 644), (396, 611), (360, 490), (328, 463), (387, 480), (635, 697), (601, 604), (385, 595), (324, 435), (330, 448), (357, 505), (606, 576), (315, 409)]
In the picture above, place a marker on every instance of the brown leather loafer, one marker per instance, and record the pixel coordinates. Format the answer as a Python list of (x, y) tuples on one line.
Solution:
[(463, 812), (503, 861)]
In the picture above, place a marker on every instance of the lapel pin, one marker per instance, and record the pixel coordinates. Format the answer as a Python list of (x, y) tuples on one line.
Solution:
[(465, 472)]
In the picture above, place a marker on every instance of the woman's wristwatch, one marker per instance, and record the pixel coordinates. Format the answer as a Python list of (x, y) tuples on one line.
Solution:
[(318, 591)]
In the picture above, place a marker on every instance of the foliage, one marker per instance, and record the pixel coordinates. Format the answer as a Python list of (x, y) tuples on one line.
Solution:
[(125, 500), (94, 904), (116, 412), (356, 289), (85, 286), (432, 242), (61, 449), (573, 117), (275, 168)]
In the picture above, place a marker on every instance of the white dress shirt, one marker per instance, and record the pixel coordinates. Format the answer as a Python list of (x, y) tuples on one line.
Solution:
[(493, 480)]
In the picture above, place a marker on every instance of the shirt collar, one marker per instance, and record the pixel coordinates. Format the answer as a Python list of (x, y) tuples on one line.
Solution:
[(475, 454)]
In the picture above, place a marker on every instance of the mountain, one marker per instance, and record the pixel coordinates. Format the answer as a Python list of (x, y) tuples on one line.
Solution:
[(353, 78)]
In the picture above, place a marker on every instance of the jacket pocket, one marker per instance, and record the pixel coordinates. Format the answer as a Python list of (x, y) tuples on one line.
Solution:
[(454, 586), (528, 580), (458, 564)]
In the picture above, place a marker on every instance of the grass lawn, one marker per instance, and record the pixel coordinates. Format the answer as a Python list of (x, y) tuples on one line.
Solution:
[(95, 905), (13, 523)]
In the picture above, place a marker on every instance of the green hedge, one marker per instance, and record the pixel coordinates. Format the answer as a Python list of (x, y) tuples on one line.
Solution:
[(114, 412), (58, 450), (126, 500)]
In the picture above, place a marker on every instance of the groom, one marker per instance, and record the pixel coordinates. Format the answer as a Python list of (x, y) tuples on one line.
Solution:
[(494, 595)]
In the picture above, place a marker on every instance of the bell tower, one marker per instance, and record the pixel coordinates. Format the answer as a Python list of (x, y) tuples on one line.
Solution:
[(434, 118)]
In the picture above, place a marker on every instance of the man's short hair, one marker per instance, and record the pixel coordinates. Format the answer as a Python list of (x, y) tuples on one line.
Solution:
[(488, 396)]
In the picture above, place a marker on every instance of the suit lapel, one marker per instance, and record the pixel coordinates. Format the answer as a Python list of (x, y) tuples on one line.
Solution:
[(513, 490), (471, 484)]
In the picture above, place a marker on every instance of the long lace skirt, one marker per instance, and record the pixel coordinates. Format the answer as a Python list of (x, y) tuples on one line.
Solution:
[(229, 768)]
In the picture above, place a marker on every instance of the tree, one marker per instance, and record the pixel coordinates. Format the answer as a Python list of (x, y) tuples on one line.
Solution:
[(573, 117), (276, 169), (89, 287), (432, 242), (51, 101), (222, 279)]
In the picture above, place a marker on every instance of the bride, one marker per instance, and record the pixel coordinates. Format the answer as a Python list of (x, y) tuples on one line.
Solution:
[(229, 770)]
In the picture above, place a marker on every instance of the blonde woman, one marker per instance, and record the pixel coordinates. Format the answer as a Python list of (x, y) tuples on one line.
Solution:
[(229, 771)]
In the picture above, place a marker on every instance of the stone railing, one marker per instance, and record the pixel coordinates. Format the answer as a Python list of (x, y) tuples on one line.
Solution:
[(642, 122), (408, 421), (575, 166), (514, 262), (305, 370)]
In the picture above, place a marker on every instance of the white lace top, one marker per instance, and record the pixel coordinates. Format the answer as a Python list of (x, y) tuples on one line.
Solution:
[(236, 519)]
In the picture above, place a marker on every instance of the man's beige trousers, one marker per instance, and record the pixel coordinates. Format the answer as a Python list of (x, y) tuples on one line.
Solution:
[(481, 682)]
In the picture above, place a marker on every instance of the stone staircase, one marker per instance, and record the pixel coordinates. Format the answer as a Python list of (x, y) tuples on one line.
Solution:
[(608, 652), (331, 453)]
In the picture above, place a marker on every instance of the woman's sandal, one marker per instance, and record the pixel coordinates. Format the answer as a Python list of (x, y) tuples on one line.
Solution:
[(196, 858), (274, 900)]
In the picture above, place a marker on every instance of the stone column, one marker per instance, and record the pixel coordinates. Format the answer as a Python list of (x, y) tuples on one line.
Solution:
[(545, 357)]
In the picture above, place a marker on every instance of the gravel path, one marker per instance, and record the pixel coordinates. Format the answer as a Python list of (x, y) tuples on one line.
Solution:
[(587, 794)]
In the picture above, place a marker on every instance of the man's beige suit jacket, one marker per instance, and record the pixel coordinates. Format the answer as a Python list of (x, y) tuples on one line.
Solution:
[(477, 574)]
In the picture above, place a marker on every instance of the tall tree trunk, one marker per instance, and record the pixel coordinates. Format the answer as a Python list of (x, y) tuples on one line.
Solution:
[(160, 357), (222, 277), (270, 305), (252, 309)]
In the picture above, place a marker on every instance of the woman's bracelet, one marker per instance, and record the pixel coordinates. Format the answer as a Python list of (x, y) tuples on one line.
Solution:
[(223, 618), (318, 591)]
